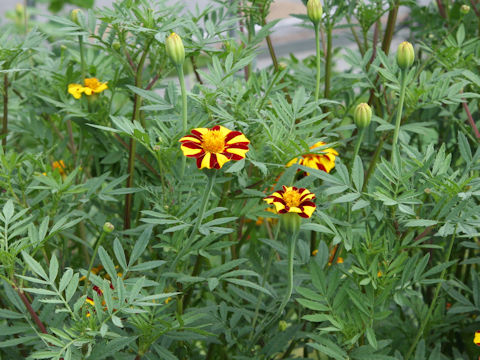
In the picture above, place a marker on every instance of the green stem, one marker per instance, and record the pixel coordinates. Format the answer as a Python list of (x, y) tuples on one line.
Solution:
[(92, 260), (203, 205), (403, 84), (357, 145), (328, 62), (288, 293), (435, 296), (317, 45), (82, 57), (137, 103), (5, 113), (181, 79)]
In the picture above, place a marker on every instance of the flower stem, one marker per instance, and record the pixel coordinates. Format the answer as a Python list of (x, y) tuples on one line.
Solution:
[(403, 84), (328, 62), (357, 145), (435, 297), (82, 57), (5, 112), (92, 260), (137, 103), (317, 45), (181, 79), (288, 293), (203, 206)]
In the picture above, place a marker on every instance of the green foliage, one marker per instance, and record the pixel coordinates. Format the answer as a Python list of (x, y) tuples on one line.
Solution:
[(387, 266)]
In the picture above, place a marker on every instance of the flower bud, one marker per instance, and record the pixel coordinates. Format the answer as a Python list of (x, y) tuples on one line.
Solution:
[(175, 49), (108, 227), (362, 115), (20, 10), (74, 15), (282, 325), (405, 55), (464, 9), (314, 10), (116, 45)]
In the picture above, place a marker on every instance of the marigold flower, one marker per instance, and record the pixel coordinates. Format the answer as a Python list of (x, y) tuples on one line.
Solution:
[(60, 165), (214, 147), (339, 261), (324, 162), (315, 252), (292, 200), (91, 86), (476, 340), (90, 301)]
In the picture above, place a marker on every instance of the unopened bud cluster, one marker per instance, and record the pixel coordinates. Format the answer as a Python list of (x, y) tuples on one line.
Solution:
[(74, 15)]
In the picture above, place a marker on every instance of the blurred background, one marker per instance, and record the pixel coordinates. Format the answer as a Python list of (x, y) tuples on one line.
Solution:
[(288, 36)]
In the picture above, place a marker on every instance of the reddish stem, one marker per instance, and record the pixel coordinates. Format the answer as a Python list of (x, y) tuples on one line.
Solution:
[(471, 121), (30, 309)]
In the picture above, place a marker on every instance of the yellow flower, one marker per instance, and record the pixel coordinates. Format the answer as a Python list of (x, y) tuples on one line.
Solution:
[(324, 161), (339, 261), (60, 165), (314, 252), (76, 90), (214, 147), (292, 200), (476, 340), (90, 301), (91, 86), (168, 300)]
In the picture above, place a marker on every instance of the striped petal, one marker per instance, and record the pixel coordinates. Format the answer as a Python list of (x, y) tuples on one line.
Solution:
[(191, 151), (191, 138), (205, 163)]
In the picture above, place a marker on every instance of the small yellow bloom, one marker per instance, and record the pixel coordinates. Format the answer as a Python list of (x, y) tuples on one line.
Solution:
[(476, 340), (379, 273), (324, 161), (168, 300), (339, 261), (314, 252), (60, 165), (76, 90), (91, 86)]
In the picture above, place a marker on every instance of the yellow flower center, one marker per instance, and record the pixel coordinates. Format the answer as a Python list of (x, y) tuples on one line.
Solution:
[(213, 142), (292, 198), (92, 83)]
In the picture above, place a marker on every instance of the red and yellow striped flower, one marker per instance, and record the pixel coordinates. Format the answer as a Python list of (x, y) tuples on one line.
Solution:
[(476, 339), (324, 161), (214, 147), (292, 200)]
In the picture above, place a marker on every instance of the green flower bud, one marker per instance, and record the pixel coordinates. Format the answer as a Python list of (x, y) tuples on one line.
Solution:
[(282, 325), (116, 45), (108, 227), (74, 15), (464, 9), (362, 115), (405, 55), (175, 49), (314, 10)]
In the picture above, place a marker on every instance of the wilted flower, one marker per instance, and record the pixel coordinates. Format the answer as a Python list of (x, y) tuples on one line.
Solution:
[(214, 147), (292, 200), (324, 162)]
